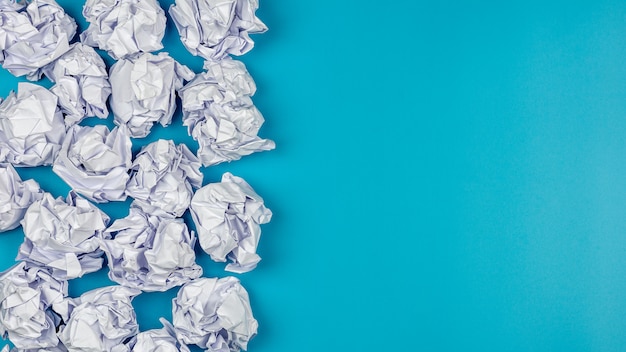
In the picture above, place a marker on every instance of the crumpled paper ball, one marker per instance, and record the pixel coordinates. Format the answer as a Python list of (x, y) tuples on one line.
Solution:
[(82, 83), (15, 197), (159, 340), (144, 91), (150, 253), (95, 161), (214, 314), (213, 29), (101, 320), (31, 127), (220, 115), (28, 295), (64, 236), (163, 177), (33, 36), (228, 215), (124, 27)]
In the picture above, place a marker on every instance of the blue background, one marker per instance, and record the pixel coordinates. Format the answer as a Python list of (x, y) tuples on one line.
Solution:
[(449, 176)]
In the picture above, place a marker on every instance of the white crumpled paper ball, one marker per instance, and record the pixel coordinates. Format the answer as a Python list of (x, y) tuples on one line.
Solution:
[(28, 294), (15, 197), (228, 215), (95, 161), (150, 253), (144, 91), (214, 314), (31, 127), (124, 27), (82, 83), (163, 177), (101, 320), (64, 236), (34, 36), (159, 340), (213, 29), (220, 115)]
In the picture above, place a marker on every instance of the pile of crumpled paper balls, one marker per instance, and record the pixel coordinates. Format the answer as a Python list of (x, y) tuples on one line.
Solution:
[(152, 248)]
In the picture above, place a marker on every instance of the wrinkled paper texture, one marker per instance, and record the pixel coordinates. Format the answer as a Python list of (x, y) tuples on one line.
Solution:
[(163, 177), (220, 115), (124, 27), (27, 296), (64, 235), (31, 127), (15, 197), (82, 83), (213, 29), (159, 340), (57, 348), (33, 36), (102, 320), (228, 215), (144, 91), (150, 253), (214, 314), (95, 161)]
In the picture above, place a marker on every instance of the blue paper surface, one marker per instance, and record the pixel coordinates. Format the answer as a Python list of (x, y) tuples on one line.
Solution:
[(448, 176)]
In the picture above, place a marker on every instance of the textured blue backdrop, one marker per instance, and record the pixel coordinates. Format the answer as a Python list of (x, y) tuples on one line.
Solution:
[(449, 176)]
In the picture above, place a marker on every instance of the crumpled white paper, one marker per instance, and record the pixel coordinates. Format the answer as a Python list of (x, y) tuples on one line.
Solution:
[(159, 340), (144, 91), (82, 83), (101, 320), (64, 236), (150, 253), (15, 197), (124, 27), (220, 115), (57, 348), (228, 215), (28, 295), (163, 177), (216, 28), (95, 161), (33, 36), (214, 314), (31, 127)]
